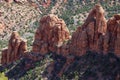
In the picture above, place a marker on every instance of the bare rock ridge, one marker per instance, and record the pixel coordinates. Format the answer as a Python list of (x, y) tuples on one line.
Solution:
[(17, 47), (112, 37), (96, 35), (51, 35), (89, 35)]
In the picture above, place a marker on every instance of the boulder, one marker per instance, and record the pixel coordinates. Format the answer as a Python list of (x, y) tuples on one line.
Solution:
[(97, 34)]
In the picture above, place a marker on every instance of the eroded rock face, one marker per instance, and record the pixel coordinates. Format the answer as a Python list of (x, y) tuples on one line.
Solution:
[(50, 35), (97, 34), (112, 37), (89, 36), (17, 47)]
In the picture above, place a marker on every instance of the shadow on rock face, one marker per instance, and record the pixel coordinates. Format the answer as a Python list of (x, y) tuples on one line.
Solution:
[(94, 66), (91, 66)]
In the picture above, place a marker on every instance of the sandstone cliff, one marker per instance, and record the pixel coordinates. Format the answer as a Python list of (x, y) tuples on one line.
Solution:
[(51, 35), (97, 34), (88, 36), (17, 47), (112, 37)]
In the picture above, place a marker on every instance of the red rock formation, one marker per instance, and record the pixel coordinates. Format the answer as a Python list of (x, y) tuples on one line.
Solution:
[(50, 35), (90, 36), (3, 56), (16, 48), (96, 34), (113, 35)]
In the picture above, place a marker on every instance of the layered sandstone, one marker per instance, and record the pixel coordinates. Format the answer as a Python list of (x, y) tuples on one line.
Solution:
[(97, 34), (112, 37), (50, 35), (89, 35), (17, 47)]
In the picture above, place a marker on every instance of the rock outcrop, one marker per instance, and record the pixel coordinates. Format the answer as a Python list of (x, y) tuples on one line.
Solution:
[(17, 47), (51, 35), (97, 34), (112, 37), (89, 35)]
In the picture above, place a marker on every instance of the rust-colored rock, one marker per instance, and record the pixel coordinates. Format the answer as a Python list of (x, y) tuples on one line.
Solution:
[(113, 35), (97, 14), (89, 36), (50, 35), (16, 48), (3, 56), (97, 34)]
